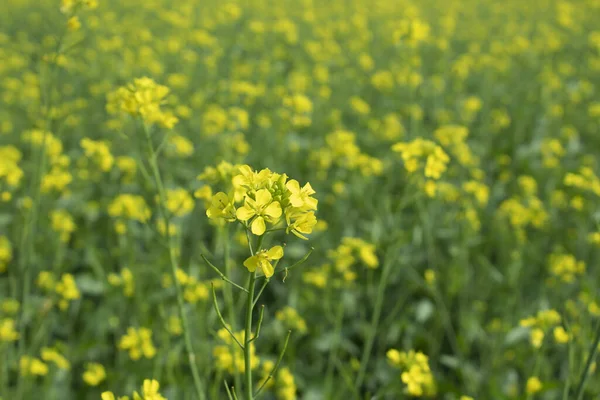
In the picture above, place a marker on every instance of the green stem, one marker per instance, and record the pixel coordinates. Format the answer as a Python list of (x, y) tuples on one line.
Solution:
[(248, 325), (588, 364), (228, 294), (387, 269), (339, 319), (276, 366), (173, 261), (247, 337)]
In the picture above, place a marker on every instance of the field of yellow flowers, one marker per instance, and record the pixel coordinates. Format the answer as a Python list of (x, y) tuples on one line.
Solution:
[(299, 199)]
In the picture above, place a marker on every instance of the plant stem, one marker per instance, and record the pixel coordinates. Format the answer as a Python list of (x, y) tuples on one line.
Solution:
[(247, 337), (333, 351), (248, 325), (173, 261), (387, 269), (588, 364)]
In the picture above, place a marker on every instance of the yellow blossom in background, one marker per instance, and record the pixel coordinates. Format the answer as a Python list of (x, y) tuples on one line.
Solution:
[(6, 253), (229, 357), (130, 206), (143, 98), (63, 223), (533, 385), (32, 366), (291, 319), (150, 391), (94, 374), (423, 155), (416, 373), (565, 267), (67, 289), (138, 342), (561, 335), (52, 355), (99, 153), (125, 279), (285, 385), (8, 332), (179, 202)]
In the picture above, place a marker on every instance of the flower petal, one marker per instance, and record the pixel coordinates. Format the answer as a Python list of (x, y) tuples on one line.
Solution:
[(244, 213), (258, 226), (293, 186), (263, 197), (308, 189), (275, 253), (273, 210), (296, 200), (251, 263), (311, 203), (267, 269)]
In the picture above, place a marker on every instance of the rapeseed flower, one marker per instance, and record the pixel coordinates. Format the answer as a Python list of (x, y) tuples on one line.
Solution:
[(262, 260)]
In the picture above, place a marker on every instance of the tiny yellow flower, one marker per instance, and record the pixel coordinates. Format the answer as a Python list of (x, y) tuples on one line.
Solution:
[(560, 335), (94, 374), (262, 260), (300, 197), (534, 385), (221, 207)]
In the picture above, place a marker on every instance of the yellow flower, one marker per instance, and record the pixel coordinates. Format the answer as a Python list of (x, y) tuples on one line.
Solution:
[(149, 391), (300, 197), (534, 385), (111, 396), (179, 202), (49, 354), (7, 330), (94, 374), (73, 24), (263, 259), (561, 335), (221, 207), (300, 223), (138, 342), (32, 366), (263, 207), (536, 337)]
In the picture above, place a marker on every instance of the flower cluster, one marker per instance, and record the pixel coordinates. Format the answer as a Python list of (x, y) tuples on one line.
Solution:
[(138, 342), (342, 150), (453, 138), (8, 332), (266, 198), (416, 375), (129, 207), (65, 288), (10, 172), (62, 223), (150, 391), (565, 267), (426, 156), (94, 374), (339, 272), (193, 289), (541, 323), (98, 152), (291, 319), (124, 279), (142, 98), (585, 180)]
